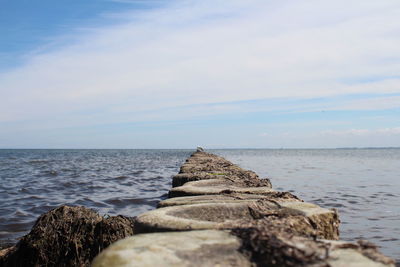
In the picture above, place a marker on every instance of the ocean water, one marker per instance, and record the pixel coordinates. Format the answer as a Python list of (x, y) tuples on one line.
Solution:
[(363, 184)]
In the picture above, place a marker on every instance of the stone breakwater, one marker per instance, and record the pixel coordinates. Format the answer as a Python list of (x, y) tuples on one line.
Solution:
[(217, 214)]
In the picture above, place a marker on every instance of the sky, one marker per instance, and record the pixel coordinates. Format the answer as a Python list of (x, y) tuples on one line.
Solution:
[(211, 73)]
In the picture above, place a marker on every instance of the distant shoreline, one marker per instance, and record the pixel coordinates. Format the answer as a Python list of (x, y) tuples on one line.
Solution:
[(248, 148)]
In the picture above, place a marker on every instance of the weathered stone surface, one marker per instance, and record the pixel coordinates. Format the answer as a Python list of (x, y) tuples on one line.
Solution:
[(303, 218), (201, 165), (215, 186), (182, 178), (190, 217), (306, 218), (67, 236), (272, 245), (227, 198), (266, 246), (193, 248)]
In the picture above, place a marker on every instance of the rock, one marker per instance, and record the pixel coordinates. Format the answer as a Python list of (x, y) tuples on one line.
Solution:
[(228, 197), (270, 245), (305, 218), (217, 186), (201, 165), (258, 246), (67, 236), (298, 216), (182, 178), (193, 248)]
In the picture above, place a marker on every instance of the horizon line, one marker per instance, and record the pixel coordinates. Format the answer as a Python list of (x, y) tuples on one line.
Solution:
[(225, 148)]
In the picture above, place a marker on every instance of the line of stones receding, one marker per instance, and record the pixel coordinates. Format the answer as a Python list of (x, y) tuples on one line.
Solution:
[(220, 214)]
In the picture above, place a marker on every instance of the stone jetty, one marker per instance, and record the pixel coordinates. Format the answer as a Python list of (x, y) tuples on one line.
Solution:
[(217, 214)]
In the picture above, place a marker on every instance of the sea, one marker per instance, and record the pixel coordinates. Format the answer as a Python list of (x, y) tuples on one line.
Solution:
[(363, 184)]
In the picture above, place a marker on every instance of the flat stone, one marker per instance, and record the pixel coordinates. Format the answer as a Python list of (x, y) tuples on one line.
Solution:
[(182, 178), (193, 248), (190, 217), (227, 198), (306, 217), (213, 187)]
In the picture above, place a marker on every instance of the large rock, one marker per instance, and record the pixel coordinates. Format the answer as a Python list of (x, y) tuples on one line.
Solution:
[(193, 248), (265, 246), (306, 218), (272, 245), (217, 186), (67, 236)]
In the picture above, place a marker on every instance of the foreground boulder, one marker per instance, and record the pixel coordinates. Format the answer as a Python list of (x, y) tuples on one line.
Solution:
[(241, 247), (272, 245), (67, 236), (193, 248)]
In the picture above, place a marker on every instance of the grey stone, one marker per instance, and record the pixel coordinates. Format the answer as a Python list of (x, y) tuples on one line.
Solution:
[(305, 217), (193, 248), (227, 198), (215, 186)]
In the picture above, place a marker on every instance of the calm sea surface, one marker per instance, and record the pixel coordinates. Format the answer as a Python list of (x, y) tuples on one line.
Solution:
[(363, 184)]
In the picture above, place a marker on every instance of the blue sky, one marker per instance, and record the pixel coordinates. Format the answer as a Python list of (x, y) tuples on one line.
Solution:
[(220, 74)]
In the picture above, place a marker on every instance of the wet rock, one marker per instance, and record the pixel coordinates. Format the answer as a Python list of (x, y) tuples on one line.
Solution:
[(67, 236), (216, 186), (228, 197), (193, 248)]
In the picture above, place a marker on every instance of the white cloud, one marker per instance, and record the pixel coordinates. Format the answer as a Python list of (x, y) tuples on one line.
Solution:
[(199, 52), (375, 103), (364, 132)]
